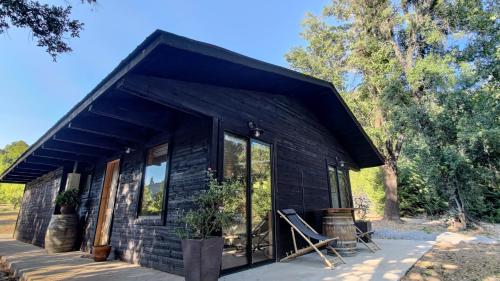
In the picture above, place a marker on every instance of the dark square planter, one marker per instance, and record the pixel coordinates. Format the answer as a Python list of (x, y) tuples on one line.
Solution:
[(364, 226), (202, 258)]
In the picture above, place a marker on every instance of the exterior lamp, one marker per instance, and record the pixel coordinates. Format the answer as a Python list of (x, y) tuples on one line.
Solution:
[(254, 130), (340, 162)]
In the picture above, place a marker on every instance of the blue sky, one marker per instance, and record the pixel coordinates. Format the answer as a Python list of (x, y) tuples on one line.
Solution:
[(35, 92)]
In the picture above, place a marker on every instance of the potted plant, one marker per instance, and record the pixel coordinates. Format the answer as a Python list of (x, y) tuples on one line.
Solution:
[(362, 204), (202, 243), (101, 252), (68, 200)]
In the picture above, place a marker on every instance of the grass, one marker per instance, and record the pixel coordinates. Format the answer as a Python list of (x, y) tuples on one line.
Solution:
[(8, 217)]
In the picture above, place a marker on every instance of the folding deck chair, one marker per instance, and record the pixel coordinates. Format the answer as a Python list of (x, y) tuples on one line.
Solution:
[(308, 233), (361, 236)]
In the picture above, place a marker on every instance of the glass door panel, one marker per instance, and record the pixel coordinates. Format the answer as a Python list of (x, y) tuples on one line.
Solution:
[(334, 188), (235, 236), (344, 190), (262, 228)]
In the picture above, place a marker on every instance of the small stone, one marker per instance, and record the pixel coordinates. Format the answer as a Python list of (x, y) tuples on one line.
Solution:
[(426, 264), (449, 266)]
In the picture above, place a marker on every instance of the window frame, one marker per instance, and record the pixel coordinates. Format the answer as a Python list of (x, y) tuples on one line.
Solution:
[(159, 219), (220, 176), (335, 170)]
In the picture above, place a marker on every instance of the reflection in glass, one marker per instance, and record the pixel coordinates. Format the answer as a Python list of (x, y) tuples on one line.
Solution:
[(332, 177), (262, 232), (154, 181), (344, 187), (235, 167)]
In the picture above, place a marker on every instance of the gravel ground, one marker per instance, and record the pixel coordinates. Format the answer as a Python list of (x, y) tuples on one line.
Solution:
[(464, 261), (456, 256), (430, 230), (409, 229)]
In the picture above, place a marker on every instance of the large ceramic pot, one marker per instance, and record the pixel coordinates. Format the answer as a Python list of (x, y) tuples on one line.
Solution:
[(66, 210), (61, 233), (364, 226), (101, 253), (202, 258)]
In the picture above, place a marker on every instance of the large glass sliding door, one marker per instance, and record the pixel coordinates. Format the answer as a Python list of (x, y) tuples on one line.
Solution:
[(262, 208), (235, 236), (250, 239)]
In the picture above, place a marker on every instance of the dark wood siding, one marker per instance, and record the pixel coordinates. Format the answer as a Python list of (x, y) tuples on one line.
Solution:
[(150, 242), (303, 144), (37, 208), (89, 207)]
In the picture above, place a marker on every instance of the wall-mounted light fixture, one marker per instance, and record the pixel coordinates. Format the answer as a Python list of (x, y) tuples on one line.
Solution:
[(254, 130), (340, 162), (128, 150)]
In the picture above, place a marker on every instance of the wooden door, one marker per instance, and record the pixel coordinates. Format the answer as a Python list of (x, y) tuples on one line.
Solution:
[(107, 203)]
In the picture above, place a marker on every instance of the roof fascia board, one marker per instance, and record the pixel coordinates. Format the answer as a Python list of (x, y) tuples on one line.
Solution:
[(191, 45)]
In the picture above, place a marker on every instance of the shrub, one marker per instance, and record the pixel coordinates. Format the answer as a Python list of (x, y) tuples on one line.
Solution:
[(216, 208), (68, 198)]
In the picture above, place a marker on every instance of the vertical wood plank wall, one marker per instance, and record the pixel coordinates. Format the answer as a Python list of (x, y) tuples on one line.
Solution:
[(301, 146), (37, 208)]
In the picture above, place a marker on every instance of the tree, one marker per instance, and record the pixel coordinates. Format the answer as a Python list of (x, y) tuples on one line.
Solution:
[(403, 60), (11, 193), (49, 24)]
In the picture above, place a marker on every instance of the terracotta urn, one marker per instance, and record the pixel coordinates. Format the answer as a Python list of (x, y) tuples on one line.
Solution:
[(66, 210), (101, 253)]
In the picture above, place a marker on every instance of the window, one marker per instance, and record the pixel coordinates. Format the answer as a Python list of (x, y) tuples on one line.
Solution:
[(339, 188), (334, 188), (154, 181), (344, 190)]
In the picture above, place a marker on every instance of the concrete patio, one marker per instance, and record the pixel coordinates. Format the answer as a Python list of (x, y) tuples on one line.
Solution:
[(391, 263), (29, 262)]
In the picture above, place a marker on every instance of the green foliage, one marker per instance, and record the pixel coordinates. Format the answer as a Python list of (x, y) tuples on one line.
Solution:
[(367, 183), (216, 208), (425, 89), (68, 198), (49, 24), (11, 193), (151, 205)]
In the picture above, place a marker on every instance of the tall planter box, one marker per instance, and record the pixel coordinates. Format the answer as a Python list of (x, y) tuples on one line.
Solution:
[(364, 226), (202, 258)]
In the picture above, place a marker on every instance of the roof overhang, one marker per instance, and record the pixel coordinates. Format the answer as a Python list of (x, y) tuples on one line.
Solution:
[(171, 56)]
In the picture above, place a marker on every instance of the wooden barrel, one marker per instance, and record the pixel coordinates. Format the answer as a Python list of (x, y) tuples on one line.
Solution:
[(61, 233), (339, 223)]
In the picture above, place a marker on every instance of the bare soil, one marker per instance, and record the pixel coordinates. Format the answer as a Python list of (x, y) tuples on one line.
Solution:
[(8, 217), (457, 262)]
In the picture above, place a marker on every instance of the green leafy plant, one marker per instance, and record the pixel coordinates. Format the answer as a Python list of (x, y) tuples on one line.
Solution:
[(68, 198), (216, 208)]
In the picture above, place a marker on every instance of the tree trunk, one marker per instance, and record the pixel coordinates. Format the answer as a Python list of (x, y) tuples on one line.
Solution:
[(391, 209)]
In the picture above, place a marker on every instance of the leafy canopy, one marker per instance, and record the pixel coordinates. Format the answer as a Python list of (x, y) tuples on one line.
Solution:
[(49, 24)]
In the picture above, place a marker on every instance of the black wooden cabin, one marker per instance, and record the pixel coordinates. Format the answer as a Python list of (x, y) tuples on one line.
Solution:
[(143, 139)]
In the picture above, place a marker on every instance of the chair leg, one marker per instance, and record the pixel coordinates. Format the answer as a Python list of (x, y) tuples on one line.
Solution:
[(367, 246), (376, 245), (293, 238), (336, 253)]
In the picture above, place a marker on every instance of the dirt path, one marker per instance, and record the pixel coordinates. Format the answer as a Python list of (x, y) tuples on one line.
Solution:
[(458, 262), (8, 217)]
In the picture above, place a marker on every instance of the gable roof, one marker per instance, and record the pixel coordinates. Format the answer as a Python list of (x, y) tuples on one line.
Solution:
[(167, 55)]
